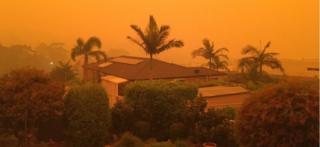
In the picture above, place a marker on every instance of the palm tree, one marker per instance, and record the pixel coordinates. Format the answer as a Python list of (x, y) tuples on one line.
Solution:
[(154, 39), (256, 59), (217, 59), (85, 49)]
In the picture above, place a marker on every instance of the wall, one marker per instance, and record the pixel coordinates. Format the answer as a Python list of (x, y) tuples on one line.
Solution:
[(235, 100)]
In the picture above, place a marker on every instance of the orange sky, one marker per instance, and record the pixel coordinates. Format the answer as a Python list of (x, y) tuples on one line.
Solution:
[(291, 25)]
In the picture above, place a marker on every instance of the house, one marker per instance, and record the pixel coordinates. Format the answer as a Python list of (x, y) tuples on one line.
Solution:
[(119, 71), (224, 96)]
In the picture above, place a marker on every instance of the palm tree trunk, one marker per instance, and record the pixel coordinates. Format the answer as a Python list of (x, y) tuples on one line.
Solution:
[(210, 63), (85, 71), (151, 58), (260, 68), (151, 71)]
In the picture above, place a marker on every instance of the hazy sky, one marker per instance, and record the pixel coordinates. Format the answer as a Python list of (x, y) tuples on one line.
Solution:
[(291, 25)]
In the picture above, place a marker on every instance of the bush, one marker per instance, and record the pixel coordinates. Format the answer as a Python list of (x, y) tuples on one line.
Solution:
[(216, 126), (8, 140), (141, 129), (281, 115), (180, 143), (128, 140), (122, 117), (87, 116), (177, 131), (162, 144), (161, 103)]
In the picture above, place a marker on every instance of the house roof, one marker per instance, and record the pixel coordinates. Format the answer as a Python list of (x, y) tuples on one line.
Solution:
[(220, 91), (137, 68)]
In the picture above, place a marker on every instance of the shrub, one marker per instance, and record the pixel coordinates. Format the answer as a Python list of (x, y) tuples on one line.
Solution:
[(122, 117), (128, 140), (141, 129), (8, 140), (216, 126), (281, 115), (161, 103), (162, 144), (177, 131), (181, 143), (87, 116)]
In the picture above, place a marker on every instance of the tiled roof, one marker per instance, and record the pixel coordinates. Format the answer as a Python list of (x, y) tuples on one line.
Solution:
[(137, 68)]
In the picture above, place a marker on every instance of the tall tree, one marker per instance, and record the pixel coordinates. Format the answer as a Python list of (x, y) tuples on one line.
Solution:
[(63, 72), (29, 97), (255, 59), (154, 39), (85, 49), (217, 59)]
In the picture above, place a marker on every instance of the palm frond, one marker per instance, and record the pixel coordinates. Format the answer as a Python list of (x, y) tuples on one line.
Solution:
[(92, 42), (207, 44), (247, 64), (140, 33), (153, 26), (80, 42), (221, 50), (170, 44), (136, 42), (223, 56), (163, 34), (250, 50), (99, 55), (200, 52), (273, 63), (76, 51)]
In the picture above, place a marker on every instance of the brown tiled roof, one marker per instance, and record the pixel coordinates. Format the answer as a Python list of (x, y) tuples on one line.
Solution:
[(142, 70)]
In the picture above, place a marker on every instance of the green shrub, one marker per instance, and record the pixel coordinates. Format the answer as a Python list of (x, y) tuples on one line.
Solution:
[(87, 116), (162, 144), (216, 126), (161, 103), (141, 129), (8, 140), (177, 131), (128, 140), (122, 117), (281, 115), (181, 143)]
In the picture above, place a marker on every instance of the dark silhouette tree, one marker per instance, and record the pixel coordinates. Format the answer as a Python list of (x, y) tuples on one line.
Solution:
[(29, 97), (85, 49), (154, 39), (256, 59), (217, 59), (63, 72)]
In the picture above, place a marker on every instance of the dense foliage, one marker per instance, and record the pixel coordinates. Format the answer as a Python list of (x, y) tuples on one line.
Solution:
[(216, 126), (87, 116), (28, 99), (151, 107), (171, 110), (129, 140), (281, 115)]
